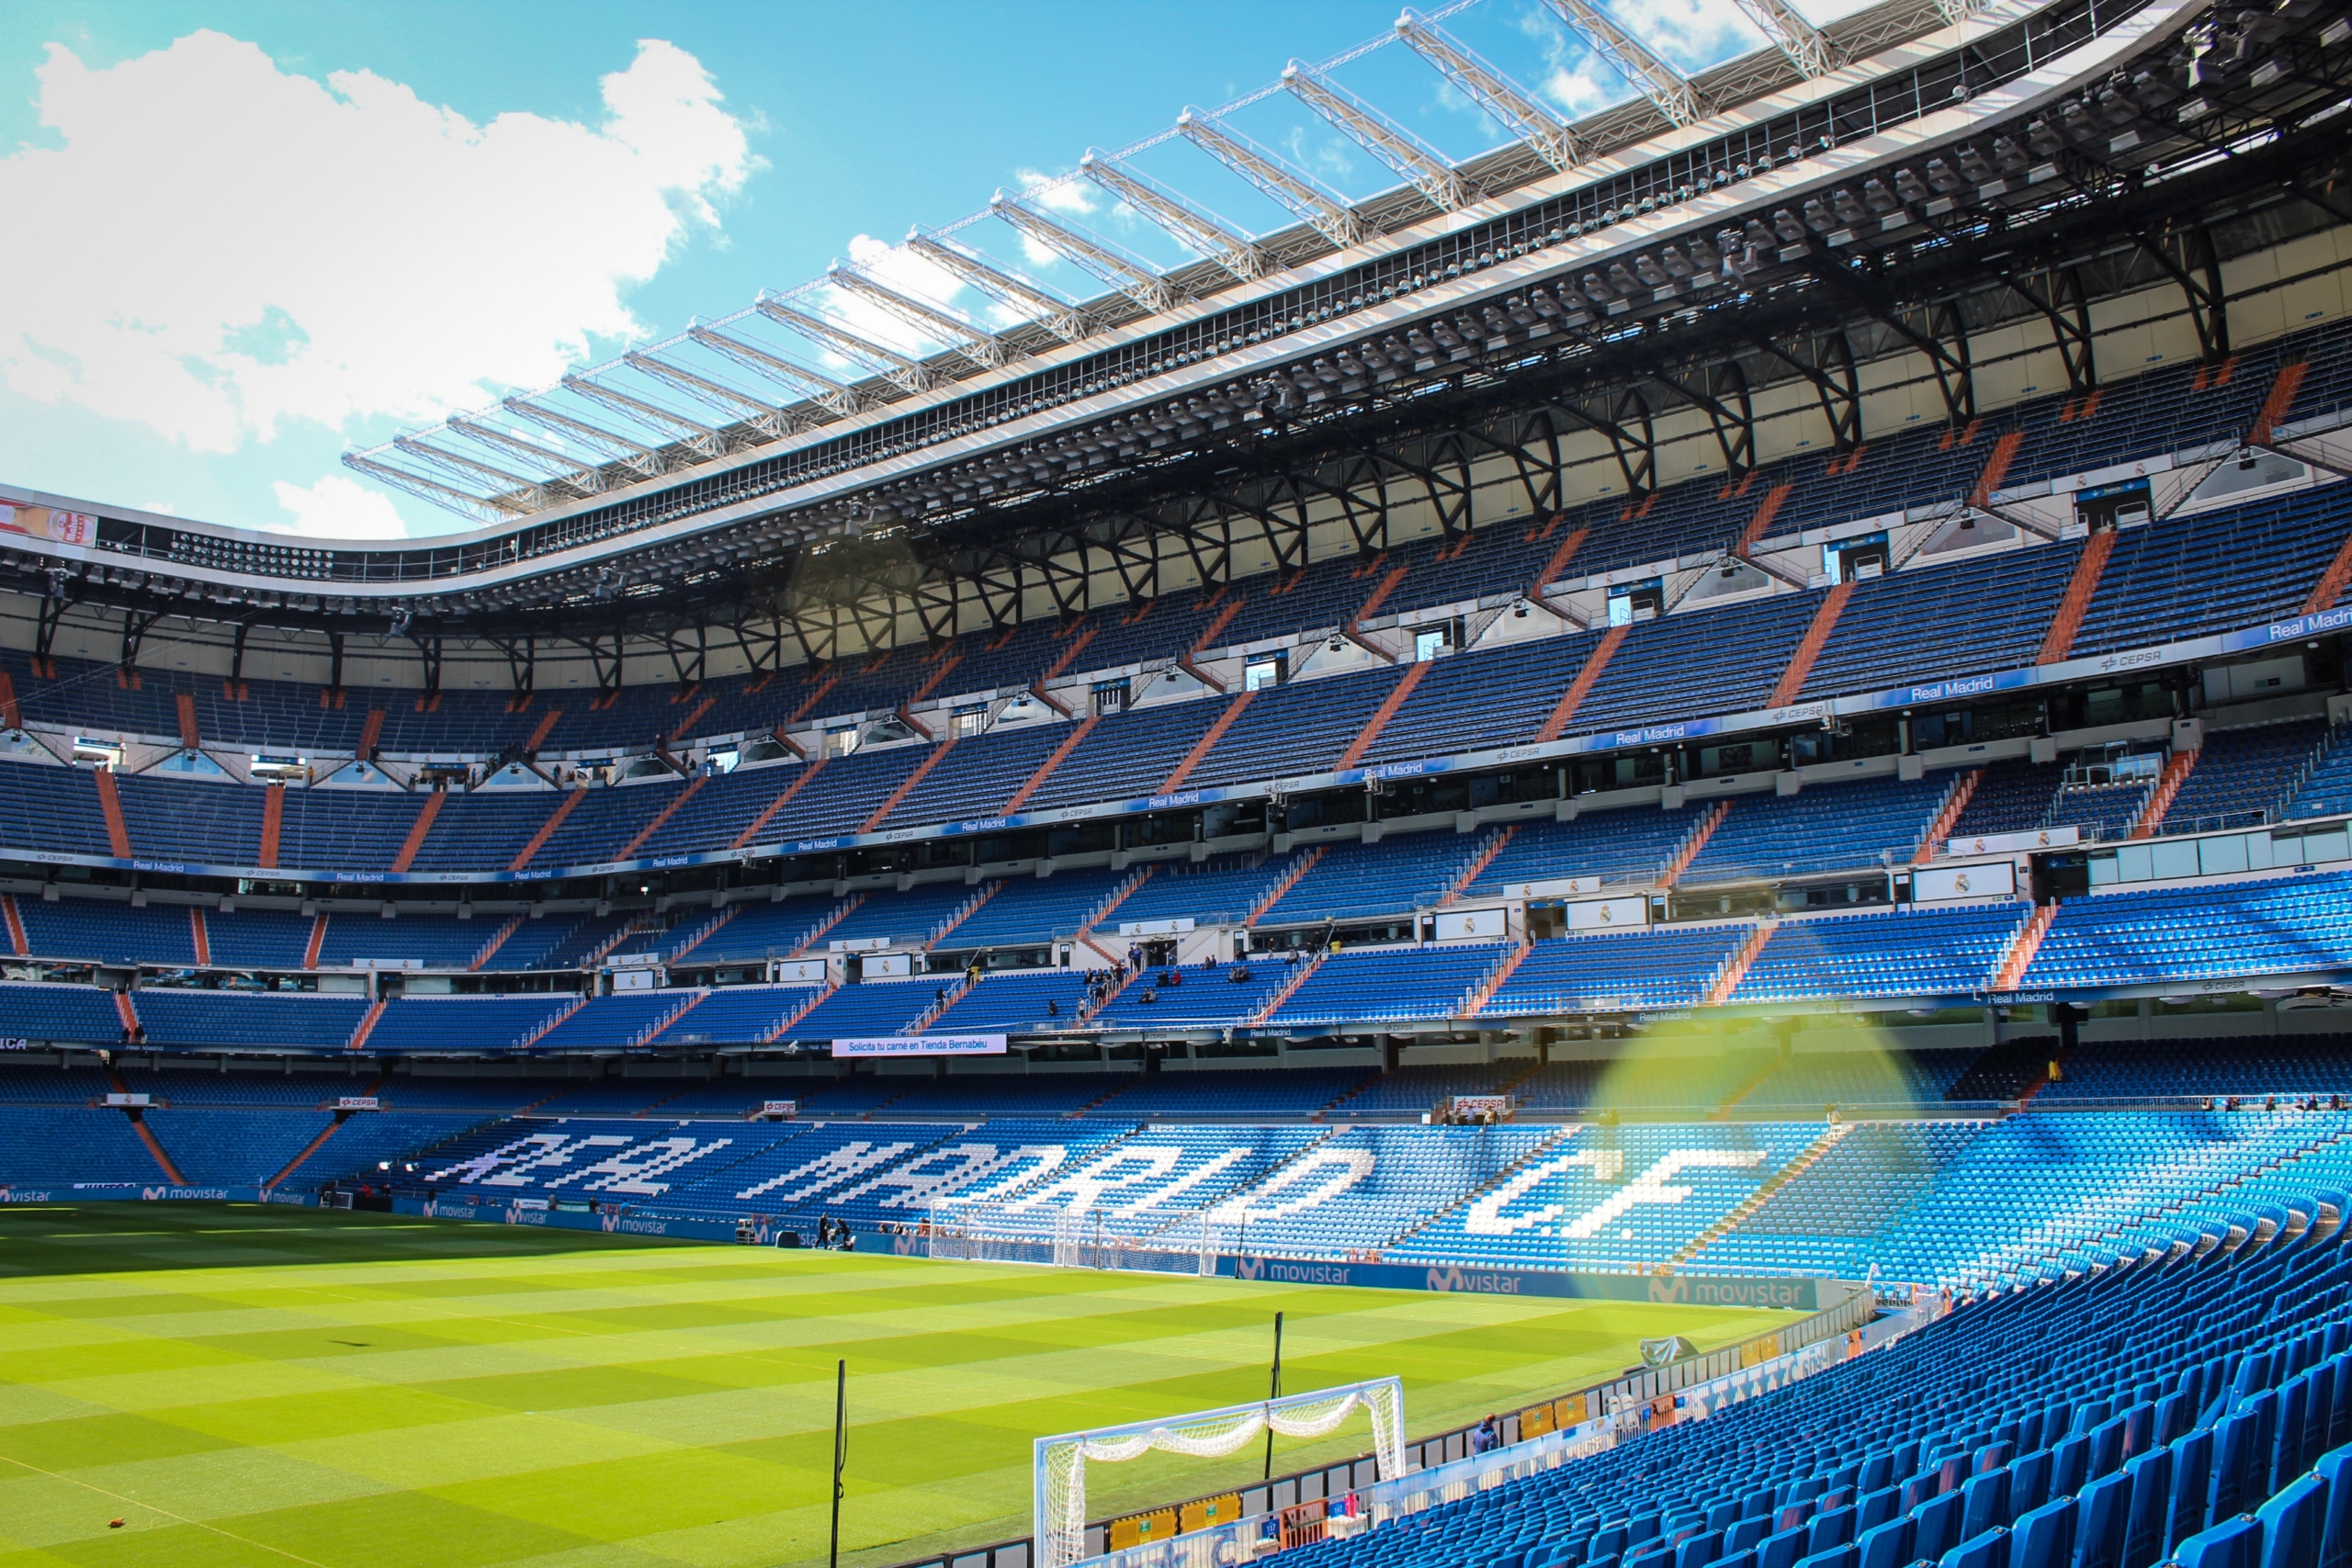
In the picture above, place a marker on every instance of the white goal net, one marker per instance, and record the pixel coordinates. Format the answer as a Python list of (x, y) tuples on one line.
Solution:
[(1059, 1494)]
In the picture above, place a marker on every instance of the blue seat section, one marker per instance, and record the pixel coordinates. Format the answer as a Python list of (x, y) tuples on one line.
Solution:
[(1028, 909), (2023, 1193), (1157, 1187), (2175, 1069), (917, 914), (553, 942), (901, 1172), (2184, 577), (1205, 998), (1233, 1092), (1615, 846), (79, 1014), (1222, 890), (975, 777), (2102, 811), (2011, 796), (1482, 697), (1394, 876), (1987, 613), (2243, 775), (380, 1146), (342, 829), (2282, 927), (1741, 650), (494, 1023), (844, 792), (877, 1007), (1413, 982), (234, 1148), (1848, 827), (23, 1085), (1668, 968), (108, 932), (1129, 755), (592, 1156), (1033, 1095), (304, 1090), (1592, 1200), (1828, 1217), (271, 1020), (1301, 727), (738, 1015), (280, 939), (1638, 1080), (1364, 1187), (193, 819), (53, 1146), (774, 929), (439, 941), (2327, 790), (1875, 1080), (612, 1023), (1016, 1003), (605, 822), (51, 808), (485, 829), (721, 810), (1917, 952)]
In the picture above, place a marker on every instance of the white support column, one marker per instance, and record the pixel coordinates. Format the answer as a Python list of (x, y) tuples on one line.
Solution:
[(888, 364), (1808, 46), (1635, 61), (1419, 165), (1057, 316), (1132, 277), (982, 349), (1191, 224), (1325, 209), (1492, 90)]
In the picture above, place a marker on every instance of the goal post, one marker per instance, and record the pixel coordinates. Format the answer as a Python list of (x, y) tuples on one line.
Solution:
[(1059, 1494)]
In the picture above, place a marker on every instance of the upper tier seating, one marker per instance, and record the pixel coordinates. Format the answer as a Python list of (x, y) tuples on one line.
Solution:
[(1879, 822), (1876, 1081), (272, 1020), (2183, 1068), (1412, 983), (491, 1023), (2241, 775), (83, 1014), (2011, 796), (2283, 926), (1392, 877), (1920, 952), (1615, 846), (1632, 971)]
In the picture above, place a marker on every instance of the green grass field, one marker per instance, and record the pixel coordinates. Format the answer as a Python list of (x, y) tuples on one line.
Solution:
[(245, 1385)]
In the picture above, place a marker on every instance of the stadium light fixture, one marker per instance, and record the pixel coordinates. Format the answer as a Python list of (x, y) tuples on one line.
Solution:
[(1323, 208), (984, 349), (888, 364), (1191, 224), (1130, 276), (1057, 316), (1492, 90), (1421, 166), (1634, 59), (822, 391), (1808, 46)]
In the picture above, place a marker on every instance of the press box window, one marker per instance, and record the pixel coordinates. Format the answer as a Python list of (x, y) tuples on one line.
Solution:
[(971, 719), (1634, 602), (840, 742), (1430, 642), (1261, 672), (1111, 696)]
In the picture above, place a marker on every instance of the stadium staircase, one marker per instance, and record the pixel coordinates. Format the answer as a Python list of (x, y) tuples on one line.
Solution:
[(273, 824), (1756, 1080), (423, 824), (1089, 1012), (932, 1014), (693, 1001), (1697, 842), (1558, 562), (1557, 722), (1283, 885), (815, 694), (2005, 1073), (906, 786), (199, 938), (1397, 697), (1735, 967), (2059, 641), (498, 939), (371, 732), (191, 738), (2177, 767), (17, 943), (2023, 946), (783, 799), (1480, 993), (1288, 988), (684, 728), (784, 1031), (939, 671), (1207, 742), (1816, 637), (547, 1025), (139, 1125), (1379, 596), (125, 1010), (325, 1133), (1964, 790), (1476, 864), (1747, 1209), (1118, 896), (1054, 758), (1539, 1151), (661, 817), (110, 806), (366, 1026), (1996, 468), (1224, 618), (816, 932), (564, 808), (703, 933), (318, 936), (595, 955), (2277, 402), (1068, 656), (964, 911), (11, 716)]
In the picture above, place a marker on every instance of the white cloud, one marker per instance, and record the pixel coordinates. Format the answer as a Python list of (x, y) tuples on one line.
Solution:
[(1066, 194), (337, 508), (1691, 34), (218, 249)]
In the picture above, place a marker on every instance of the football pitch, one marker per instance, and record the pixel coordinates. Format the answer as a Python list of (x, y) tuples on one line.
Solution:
[(269, 1386)]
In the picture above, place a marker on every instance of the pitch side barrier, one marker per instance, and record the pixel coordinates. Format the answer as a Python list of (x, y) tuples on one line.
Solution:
[(2295, 628)]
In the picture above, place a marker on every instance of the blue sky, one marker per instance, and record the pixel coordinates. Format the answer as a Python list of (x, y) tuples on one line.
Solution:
[(247, 236)]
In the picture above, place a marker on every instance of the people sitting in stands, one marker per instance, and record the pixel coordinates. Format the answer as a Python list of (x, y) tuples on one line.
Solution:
[(1240, 975), (1172, 977), (1053, 1008), (1150, 994)]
